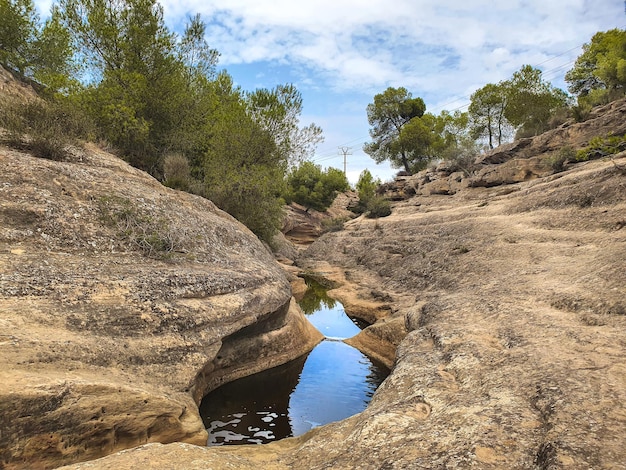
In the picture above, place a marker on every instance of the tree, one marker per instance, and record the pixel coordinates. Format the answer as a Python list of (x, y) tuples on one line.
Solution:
[(456, 139), (390, 112), (314, 188), (136, 79), (531, 101), (51, 60), (278, 112), (18, 32), (42, 53), (366, 187), (242, 169), (486, 112), (195, 53), (417, 142), (601, 68)]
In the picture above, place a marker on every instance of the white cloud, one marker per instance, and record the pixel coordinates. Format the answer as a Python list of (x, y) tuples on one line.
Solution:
[(441, 50), (437, 48)]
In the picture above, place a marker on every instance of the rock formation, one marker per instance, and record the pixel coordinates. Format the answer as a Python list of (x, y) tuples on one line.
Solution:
[(504, 310), (497, 294), (122, 303)]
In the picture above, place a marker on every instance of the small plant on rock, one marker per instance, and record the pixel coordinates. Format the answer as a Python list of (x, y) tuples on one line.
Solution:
[(47, 129), (558, 160), (377, 207)]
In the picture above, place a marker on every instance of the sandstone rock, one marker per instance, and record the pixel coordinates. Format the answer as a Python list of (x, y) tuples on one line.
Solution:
[(514, 356), (511, 172), (122, 303)]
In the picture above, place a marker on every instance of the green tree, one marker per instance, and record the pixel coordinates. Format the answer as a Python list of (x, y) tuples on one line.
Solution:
[(18, 33), (42, 53), (195, 53), (366, 186), (242, 170), (278, 112), (418, 142), (390, 112), (531, 101), (457, 140), (486, 112), (52, 63), (314, 188), (136, 77), (601, 67)]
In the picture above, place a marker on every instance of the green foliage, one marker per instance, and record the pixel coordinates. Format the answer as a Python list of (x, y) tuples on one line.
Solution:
[(377, 207), (18, 33), (242, 170), (137, 77), (410, 138), (47, 129), (195, 53), (531, 101), (390, 112), (525, 102), (277, 111), (486, 111), (250, 194), (599, 147), (315, 298), (40, 52), (601, 66), (366, 186), (314, 188), (558, 160)]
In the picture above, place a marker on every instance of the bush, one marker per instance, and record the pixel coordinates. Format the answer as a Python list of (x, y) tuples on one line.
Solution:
[(558, 160), (313, 188), (154, 237), (176, 172), (47, 129), (333, 225), (377, 207), (581, 111), (599, 147)]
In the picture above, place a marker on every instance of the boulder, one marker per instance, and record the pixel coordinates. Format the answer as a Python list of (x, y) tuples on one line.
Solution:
[(122, 303)]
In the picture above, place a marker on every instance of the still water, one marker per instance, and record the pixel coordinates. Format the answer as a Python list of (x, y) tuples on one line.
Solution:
[(332, 382)]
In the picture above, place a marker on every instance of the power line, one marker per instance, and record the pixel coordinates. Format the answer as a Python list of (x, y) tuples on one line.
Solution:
[(327, 155), (346, 152)]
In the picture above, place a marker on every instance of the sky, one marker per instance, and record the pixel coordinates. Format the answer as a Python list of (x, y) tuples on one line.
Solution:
[(341, 53)]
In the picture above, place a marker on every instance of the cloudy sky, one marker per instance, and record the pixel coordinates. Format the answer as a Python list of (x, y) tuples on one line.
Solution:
[(340, 53)]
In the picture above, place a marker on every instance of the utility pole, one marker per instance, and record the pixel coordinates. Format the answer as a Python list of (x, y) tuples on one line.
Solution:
[(346, 152)]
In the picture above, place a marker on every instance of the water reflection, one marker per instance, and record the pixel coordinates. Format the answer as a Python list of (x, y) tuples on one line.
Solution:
[(332, 382), (253, 409), (315, 298)]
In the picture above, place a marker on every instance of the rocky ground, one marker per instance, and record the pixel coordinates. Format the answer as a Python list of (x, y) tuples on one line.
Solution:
[(122, 303), (496, 292), (503, 310)]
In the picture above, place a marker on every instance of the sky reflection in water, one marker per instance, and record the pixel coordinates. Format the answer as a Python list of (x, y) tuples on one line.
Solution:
[(332, 382)]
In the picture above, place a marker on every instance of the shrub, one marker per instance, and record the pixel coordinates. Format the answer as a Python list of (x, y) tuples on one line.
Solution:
[(314, 188), (557, 160), (154, 237), (47, 129), (581, 111), (377, 207), (333, 225), (599, 147), (176, 172)]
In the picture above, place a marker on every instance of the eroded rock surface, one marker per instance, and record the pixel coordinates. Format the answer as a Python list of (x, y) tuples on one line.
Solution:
[(509, 309), (122, 303)]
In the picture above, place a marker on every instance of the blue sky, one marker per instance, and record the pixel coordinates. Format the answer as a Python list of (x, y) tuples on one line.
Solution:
[(340, 53)]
